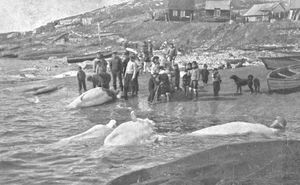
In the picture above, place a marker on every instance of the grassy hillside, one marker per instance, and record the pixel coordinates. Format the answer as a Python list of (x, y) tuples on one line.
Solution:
[(132, 22)]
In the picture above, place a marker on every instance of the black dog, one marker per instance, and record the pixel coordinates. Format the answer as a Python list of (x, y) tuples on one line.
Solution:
[(256, 83), (242, 82)]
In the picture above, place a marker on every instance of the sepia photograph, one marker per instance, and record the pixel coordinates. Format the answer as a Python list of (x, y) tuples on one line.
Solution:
[(150, 92)]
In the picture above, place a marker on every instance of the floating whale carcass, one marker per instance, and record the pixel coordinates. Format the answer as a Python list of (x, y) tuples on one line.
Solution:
[(242, 128), (93, 97), (95, 134), (136, 131)]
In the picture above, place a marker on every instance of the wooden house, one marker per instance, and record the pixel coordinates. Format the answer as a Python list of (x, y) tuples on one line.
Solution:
[(295, 10), (217, 8), (181, 10), (265, 12)]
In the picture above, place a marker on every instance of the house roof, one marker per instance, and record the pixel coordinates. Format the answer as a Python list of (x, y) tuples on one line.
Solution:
[(263, 9), (217, 4), (295, 4), (181, 4)]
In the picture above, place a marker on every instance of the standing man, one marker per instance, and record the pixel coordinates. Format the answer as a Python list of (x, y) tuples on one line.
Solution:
[(172, 53), (130, 75), (116, 70), (205, 74), (100, 64), (81, 80)]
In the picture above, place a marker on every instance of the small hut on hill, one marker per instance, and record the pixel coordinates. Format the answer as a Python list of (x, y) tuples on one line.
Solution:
[(181, 10), (265, 12), (219, 9)]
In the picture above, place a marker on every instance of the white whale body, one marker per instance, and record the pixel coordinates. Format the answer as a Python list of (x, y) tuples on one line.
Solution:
[(95, 134), (92, 97), (242, 128), (137, 131)]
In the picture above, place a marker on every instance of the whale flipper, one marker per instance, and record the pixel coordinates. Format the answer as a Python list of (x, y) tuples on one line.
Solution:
[(133, 116)]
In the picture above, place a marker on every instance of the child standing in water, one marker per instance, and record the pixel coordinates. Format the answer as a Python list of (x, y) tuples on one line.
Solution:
[(195, 77), (81, 80), (216, 81), (205, 74), (186, 79)]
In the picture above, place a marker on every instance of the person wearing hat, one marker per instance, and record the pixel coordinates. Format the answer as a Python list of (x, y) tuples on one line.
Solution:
[(216, 81), (155, 65), (130, 75), (116, 70), (153, 86), (100, 64)]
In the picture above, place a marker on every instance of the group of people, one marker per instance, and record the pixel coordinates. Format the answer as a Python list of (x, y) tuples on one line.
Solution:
[(126, 70), (166, 80), (165, 76)]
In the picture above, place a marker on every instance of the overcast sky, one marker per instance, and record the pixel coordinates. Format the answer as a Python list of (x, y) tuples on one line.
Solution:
[(24, 15)]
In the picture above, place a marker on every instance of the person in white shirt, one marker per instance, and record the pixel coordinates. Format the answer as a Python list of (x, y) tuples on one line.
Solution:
[(130, 75)]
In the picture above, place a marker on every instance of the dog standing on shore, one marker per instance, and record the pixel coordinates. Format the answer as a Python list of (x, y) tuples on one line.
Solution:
[(243, 82), (239, 83)]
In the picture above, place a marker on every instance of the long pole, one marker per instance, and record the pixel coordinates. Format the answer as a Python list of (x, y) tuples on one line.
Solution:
[(99, 37)]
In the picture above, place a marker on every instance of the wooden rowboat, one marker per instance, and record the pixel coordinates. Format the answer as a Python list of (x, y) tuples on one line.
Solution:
[(285, 79), (278, 62), (235, 60), (78, 59)]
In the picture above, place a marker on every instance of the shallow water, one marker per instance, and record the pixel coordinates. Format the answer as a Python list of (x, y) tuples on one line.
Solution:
[(29, 129)]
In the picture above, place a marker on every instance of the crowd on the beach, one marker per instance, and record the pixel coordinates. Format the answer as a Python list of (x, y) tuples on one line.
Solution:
[(166, 77)]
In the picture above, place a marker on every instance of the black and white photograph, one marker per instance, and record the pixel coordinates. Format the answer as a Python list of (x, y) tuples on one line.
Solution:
[(150, 92)]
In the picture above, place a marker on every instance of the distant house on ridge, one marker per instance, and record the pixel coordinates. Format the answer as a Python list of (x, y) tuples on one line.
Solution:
[(218, 9), (265, 12), (181, 10), (295, 10)]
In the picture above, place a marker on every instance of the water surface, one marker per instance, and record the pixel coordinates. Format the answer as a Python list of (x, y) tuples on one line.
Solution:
[(30, 129)]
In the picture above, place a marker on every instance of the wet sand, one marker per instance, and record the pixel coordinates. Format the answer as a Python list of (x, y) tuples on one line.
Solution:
[(263, 163)]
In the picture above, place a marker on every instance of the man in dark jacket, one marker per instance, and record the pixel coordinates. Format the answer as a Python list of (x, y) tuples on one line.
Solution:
[(81, 80), (116, 70)]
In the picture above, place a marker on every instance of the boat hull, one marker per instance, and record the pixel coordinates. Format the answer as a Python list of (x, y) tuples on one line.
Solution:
[(273, 63), (79, 59), (284, 80)]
